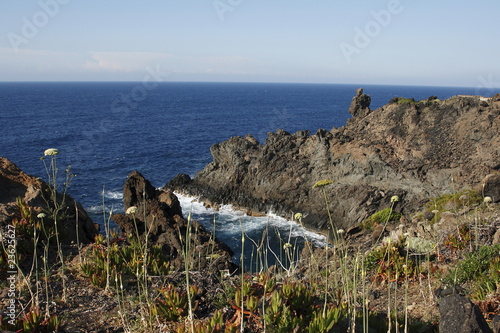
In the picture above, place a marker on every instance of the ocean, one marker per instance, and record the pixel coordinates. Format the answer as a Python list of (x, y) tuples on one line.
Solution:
[(105, 130)]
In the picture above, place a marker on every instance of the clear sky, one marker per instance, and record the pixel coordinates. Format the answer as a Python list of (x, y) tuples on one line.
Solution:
[(411, 42)]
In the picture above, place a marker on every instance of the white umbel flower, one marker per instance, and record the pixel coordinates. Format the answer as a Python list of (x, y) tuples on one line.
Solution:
[(51, 152), (131, 210)]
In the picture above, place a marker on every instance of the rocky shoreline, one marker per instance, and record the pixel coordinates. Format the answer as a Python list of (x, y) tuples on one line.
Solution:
[(414, 184), (411, 149)]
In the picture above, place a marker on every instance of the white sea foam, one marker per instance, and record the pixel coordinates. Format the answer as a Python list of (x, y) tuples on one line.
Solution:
[(99, 209), (117, 195), (231, 222)]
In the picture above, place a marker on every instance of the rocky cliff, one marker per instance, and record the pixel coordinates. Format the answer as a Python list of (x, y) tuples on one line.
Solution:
[(412, 149), (14, 184)]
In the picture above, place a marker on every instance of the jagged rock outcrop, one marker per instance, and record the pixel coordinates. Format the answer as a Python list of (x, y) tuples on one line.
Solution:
[(159, 217), (14, 183), (360, 104), (414, 150)]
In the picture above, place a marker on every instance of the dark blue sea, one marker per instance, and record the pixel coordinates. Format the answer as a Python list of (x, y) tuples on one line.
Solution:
[(106, 130)]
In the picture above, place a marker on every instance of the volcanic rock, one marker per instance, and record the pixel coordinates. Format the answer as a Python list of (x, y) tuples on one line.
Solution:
[(460, 315), (14, 184), (159, 218), (413, 150), (491, 187), (360, 105)]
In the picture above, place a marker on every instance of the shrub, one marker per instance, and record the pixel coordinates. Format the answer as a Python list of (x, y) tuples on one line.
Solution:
[(389, 261), (402, 100), (489, 281), (381, 217), (481, 265), (452, 202), (460, 240), (105, 260)]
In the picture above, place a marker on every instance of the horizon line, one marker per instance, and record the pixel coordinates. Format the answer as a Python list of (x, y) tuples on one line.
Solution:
[(361, 85)]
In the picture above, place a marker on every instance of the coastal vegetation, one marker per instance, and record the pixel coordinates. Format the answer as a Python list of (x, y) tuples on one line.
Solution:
[(407, 194), (360, 282)]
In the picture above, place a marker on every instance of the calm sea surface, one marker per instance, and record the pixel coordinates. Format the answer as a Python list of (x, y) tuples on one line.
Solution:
[(106, 130)]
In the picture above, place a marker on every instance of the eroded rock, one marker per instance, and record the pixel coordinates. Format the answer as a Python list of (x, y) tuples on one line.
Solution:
[(14, 183), (159, 218), (415, 150)]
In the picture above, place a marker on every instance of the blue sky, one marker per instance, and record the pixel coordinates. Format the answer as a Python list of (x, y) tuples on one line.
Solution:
[(411, 42)]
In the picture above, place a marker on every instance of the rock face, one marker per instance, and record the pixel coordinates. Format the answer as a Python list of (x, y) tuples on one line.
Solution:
[(14, 184), (414, 150), (159, 217), (459, 315), (490, 186)]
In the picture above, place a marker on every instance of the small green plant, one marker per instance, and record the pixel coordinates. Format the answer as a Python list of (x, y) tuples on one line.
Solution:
[(215, 324), (451, 202), (324, 319), (55, 199), (32, 321), (459, 240), (402, 100), (295, 308), (173, 303), (381, 217), (390, 262), (125, 259), (321, 184), (406, 101), (476, 266), (489, 281)]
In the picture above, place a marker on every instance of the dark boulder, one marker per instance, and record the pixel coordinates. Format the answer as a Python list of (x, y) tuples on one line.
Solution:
[(491, 187), (460, 315), (157, 215)]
